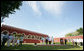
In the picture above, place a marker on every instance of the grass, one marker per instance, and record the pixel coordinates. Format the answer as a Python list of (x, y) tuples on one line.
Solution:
[(69, 43), (29, 46)]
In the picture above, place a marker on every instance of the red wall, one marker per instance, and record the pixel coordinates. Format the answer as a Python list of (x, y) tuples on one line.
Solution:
[(56, 39), (31, 41), (11, 29)]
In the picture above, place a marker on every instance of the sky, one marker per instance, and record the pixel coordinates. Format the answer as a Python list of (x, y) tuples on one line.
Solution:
[(53, 18)]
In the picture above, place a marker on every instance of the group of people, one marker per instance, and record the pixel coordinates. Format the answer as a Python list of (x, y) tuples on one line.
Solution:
[(47, 40), (11, 38), (75, 41)]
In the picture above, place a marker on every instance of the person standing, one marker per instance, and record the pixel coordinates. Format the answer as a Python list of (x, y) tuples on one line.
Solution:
[(43, 40), (81, 42), (10, 39), (76, 42), (18, 41), (65, 41), (46, 40), (14, 39), (49, 39), (2, 38), (21, 39), (5, 38), (73, 41)]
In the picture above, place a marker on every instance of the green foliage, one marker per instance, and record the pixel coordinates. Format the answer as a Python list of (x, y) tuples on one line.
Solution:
[(69, 34), (76, 33), (8, 7), (80, 30)]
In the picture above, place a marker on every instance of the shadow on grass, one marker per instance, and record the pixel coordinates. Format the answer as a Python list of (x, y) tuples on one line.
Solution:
[(31, 47)]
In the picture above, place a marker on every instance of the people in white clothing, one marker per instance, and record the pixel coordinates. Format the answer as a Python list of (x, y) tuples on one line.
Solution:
[(75, 40), (80, 41)]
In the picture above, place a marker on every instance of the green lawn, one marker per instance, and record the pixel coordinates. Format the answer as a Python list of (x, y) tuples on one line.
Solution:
[(31, 47)]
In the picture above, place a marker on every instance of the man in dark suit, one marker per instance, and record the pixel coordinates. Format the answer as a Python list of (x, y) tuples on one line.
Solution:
[(65, 41)]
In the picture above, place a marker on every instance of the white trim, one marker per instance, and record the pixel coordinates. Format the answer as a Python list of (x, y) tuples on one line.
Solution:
[(14, 32), (30, 36), (6, 31), (25, 36)]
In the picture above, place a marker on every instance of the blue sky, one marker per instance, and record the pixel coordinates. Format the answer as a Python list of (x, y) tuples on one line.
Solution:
[(54, 18)]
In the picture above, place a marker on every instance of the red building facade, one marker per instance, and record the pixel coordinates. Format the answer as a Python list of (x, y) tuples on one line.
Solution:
[(29, 36)]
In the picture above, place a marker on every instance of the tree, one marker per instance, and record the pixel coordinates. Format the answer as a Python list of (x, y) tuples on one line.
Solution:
[(69, 34), (8, 7), (76, 33), (80, 31)]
